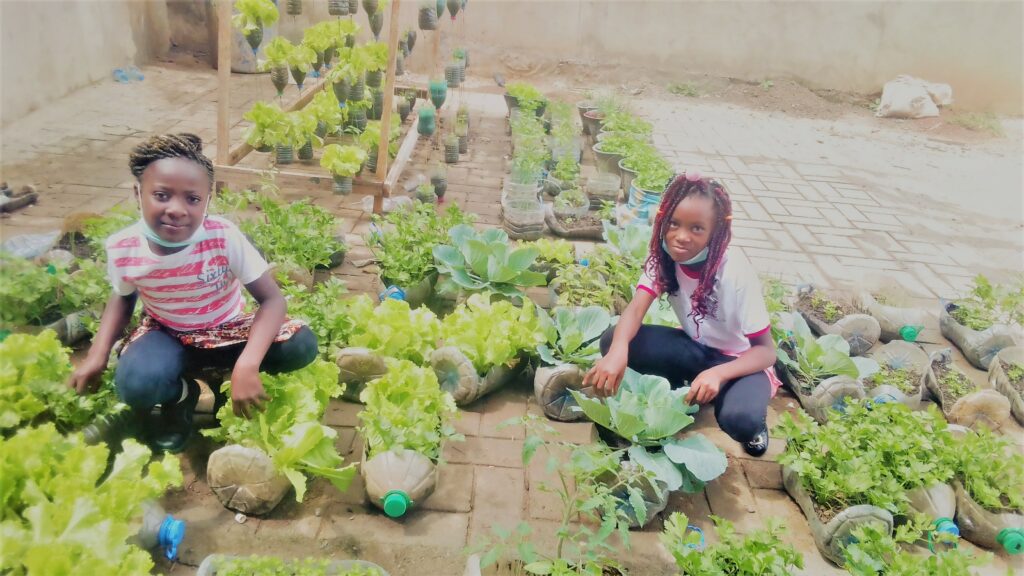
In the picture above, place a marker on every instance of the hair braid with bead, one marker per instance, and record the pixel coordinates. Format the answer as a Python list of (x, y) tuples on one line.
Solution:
[(660, 265), (183, 145)]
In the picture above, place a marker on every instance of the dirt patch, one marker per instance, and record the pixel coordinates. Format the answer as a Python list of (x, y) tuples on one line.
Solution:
[(952, 385), (1015, 374), (823, 308), (907, 381)]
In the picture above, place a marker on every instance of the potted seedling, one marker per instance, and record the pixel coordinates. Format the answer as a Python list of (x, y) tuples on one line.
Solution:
[(306, 126), (572, 203), (894, 322), (526, 97), (439, 178), (903, 368), (343, 162), (961, 400), (252, 17), (820, 371), (827, 314), (427, 16), (425, 193), (370, 141), (1006, 375), (571, 347), (985, 321), (552, 253), (451, 148), (990, 491), (284, 136), (277, 52), (373, 59), (871, 550), (264, 117), (329, 116), (565, 176), (300, 62), (484, 342), (357, 115), (650, 182)]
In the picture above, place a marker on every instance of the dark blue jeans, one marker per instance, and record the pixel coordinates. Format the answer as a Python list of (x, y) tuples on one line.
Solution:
[(149, 371), (741, 406)]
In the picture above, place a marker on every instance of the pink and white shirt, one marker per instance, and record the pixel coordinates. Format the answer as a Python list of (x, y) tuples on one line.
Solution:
[(741, 315), (199, 287)]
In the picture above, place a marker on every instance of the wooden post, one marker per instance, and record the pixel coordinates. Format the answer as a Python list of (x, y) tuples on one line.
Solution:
[(223, 81), (385, 118)]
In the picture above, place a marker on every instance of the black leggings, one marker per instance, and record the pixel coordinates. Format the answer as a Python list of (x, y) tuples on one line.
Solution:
[(741, 406)]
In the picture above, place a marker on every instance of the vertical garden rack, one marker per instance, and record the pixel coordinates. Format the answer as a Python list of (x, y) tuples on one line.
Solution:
[(379, 185)]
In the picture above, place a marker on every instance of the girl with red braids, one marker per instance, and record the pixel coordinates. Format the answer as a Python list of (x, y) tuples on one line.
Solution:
[(724, 349)]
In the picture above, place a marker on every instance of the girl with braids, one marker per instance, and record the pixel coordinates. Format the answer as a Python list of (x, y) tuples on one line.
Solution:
[(188, 269), (724, 349)]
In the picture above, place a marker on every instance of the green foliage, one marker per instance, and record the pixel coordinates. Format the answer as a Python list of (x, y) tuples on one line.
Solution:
[(529, 150), (527, 95), (684, 89), (34, 372), (405, 250), (492, 333), (343, 160), (288, 429), (369, 139), (369, 57), (991, 468), (760, 553), (64, 513), (406, 409), (320, 36), (661, 313), (325, 107), (99, 228), (631, 242), (579, 285), (266, 118), (1014, 372), (979, 122), (274, 566), (954, 383), (989, 304), (298, 232), (872, 454), (648, 412), (626, 144), (593, 484), (277, 51), (301, 58), (33, 294), (776, 301), (567, 169), (392, 329), (253, 13), (572, 198), (556, 251), (625, 122), (873, 551), (572, 335), (829, 310), (654, 175), (813, 360), (326, 312), (903, 379), (485, 262)]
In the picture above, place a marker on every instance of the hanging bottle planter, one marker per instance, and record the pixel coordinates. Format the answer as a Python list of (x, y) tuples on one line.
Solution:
[(255, 37), (321, 129), (371, 7), (410, 40), (438, 92), (451, 75), (342, 185), (337, 7), (462, 71), (350, 41), (374, 77), (399, 64), (377, 108), (357, 116), (403, 109), (453, 7), (371, 159), (279, 76), (358, 90), (329, 55), (451, 149), (285, 154), (306, 151), (294, 7), (428, 16), (440, 8), (428, 121), (299, 76), (319, 63), (376, 24), (353, 8), (341, 89)]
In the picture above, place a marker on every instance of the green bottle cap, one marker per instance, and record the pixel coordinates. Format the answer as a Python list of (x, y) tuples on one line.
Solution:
[(1012, 540), (396, 502), (909, 333)]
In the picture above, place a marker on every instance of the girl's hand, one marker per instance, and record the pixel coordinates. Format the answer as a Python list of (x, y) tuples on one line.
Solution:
[(607, 373), (247, 394), (86, 377), (705, 387)]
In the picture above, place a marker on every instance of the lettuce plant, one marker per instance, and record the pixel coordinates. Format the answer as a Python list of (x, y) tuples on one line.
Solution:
[(326, 312), (406, 409), (289, 428), (342, 160), (492, 333), (760, 553), (647, 412), (277, 51), (573, 335), (553, 251), (34, 294), (403, 241), (485, 262), (298, 232), (815, 359), (392, 329), (527, 95), (253, 14), (325, 107), (67, 510), (266, 118)]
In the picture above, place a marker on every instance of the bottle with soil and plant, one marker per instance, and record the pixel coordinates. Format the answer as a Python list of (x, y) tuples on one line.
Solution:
[(300, 62), (306, 127), (571, 348), (264, 117), (252, 17), (427, 122), (571, 204), (427, 16), (989, 487), (985, 321), (761, 552), (962, 401), (451, 148), (1006, 376), (277, 52), (829, 314), (565, 176), (343, 162), (461, 131), (526, 97)]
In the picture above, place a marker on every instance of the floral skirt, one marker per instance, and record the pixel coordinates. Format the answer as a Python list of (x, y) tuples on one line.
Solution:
[(235, 331)]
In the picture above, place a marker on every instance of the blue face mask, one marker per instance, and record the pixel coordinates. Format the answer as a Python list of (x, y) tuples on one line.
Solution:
[(700, 257), (198, 236)]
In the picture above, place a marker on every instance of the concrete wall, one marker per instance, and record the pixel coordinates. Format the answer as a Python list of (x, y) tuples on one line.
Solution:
[(50, 48)]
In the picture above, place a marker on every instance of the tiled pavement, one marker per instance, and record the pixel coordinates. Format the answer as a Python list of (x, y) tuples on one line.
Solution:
[(810, 207)]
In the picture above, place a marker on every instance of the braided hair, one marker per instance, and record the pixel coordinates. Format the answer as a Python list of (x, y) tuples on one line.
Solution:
[(183, 145), (660, 266)]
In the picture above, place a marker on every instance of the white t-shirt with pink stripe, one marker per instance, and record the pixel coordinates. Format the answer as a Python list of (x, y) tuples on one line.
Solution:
[(198, 287)]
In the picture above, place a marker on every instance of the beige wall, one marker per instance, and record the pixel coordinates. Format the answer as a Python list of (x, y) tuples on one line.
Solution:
[(49, 48)]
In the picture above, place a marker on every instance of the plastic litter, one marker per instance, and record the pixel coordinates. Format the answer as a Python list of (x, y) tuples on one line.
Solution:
[(31, 245), (160, 529)]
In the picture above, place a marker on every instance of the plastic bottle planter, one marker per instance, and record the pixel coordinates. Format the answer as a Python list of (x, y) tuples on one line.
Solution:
[(937, 502), (306, 151), (832, 536), (439, 8), (427, 122), (419, 293), (895, 323), (294, 7), (285, 154), (357, 367), (463, 143), (71, 328), (592, 120), (399, 64), (859, 330), (342, 185), (451, 149), (522, 218), (606, 161), (653, 494), (159, 529), (377, 104), (900, 355), (373, 78), (565, 212), (396, 480), (255, 37), (210, 564), (438, 92), (353, 8), (453, 7), (341, 89), (551, 388), (321, 129), (459, 378), (829, 393), (371, 7), (627, 175), (451, 75), (563, 228), (279, 77), (337, 258), (462, 72), (357, 90), (978, 346), (582, 107), (999, 379), (440, 185), (337, 7), (410, 39), (427, 18), (299, 76), (245, 479), (985, 528), (111, 428), (329, 55), (376, 24), (371, 160), (318, 64), (357, 116), (981, 407)]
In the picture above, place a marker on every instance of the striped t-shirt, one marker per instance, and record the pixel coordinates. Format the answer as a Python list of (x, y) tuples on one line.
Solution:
[(196, 288)]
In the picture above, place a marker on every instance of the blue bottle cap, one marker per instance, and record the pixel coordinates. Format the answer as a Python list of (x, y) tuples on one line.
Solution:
[(172, 532)]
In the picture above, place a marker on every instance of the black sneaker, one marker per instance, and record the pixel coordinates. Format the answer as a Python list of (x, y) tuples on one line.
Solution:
[(176, 421), (759, 444)]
